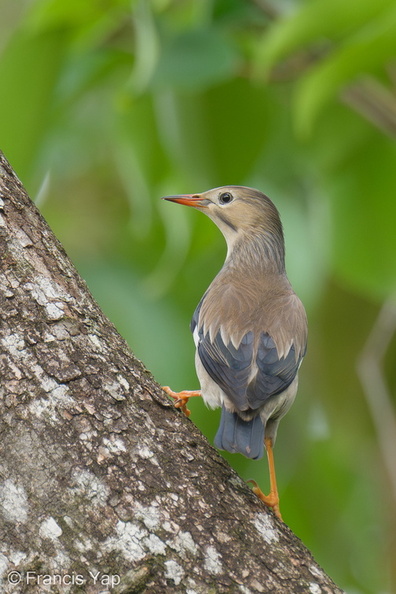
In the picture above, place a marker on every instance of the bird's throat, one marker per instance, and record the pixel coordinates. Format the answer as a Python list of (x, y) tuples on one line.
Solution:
[(261, 253)]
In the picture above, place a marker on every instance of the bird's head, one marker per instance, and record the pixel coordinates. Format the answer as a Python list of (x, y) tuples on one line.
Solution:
[(239, 212)]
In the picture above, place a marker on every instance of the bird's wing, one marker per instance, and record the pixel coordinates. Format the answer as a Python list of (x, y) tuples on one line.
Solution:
[(247, 379), (194, 321), (227, 365), (274, 374)]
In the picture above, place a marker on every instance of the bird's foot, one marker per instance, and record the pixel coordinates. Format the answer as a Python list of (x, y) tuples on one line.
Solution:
[(271, 500), (181, 398)]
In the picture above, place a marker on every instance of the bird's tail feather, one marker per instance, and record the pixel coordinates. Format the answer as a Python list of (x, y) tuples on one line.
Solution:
[(236, 435)]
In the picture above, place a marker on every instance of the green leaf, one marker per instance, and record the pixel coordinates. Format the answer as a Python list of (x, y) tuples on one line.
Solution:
[(365, 52), (48, 14), (319, 21)]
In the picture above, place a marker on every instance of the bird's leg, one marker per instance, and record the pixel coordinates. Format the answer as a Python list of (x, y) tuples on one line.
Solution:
[(272, 500), (181, 398)]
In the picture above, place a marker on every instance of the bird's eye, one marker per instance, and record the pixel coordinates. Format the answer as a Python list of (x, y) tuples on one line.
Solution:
[(225, 198)]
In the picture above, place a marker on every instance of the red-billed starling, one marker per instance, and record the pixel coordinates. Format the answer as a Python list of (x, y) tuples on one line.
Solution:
[(250, 328)]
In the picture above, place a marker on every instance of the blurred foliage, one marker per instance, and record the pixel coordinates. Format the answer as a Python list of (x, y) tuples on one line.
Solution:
[(107, 105)]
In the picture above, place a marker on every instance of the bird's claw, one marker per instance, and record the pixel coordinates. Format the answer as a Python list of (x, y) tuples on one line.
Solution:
[(181, 398), (271, 500), (182, 404)]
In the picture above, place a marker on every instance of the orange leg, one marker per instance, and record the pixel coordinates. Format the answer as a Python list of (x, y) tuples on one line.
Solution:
[(182, 398), (272, 500)]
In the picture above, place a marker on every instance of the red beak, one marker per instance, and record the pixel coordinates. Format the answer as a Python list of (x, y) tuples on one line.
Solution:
[(188, 199)]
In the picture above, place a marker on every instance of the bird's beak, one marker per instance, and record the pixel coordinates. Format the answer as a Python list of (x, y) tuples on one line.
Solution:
[(195, 200)]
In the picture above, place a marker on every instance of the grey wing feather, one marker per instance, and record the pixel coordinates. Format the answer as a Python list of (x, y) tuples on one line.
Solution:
[(194, 320), (274, 373), (228, 366)]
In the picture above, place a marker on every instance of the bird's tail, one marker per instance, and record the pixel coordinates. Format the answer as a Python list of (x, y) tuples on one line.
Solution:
[(236, 435)]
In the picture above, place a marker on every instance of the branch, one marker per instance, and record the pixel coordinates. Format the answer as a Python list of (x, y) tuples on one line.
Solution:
[(103, 484), (374, 101), (373, 380)]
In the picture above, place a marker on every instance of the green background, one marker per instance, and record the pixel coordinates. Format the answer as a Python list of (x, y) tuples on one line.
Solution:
[(107, 105)]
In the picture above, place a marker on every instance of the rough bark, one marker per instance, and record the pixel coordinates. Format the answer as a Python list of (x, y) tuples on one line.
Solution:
[(104, 486)]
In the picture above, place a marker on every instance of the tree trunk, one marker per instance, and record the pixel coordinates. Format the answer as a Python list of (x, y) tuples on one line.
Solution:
[(104, 485)]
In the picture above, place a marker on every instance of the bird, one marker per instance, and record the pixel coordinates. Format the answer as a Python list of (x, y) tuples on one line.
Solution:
[(250, 328)]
